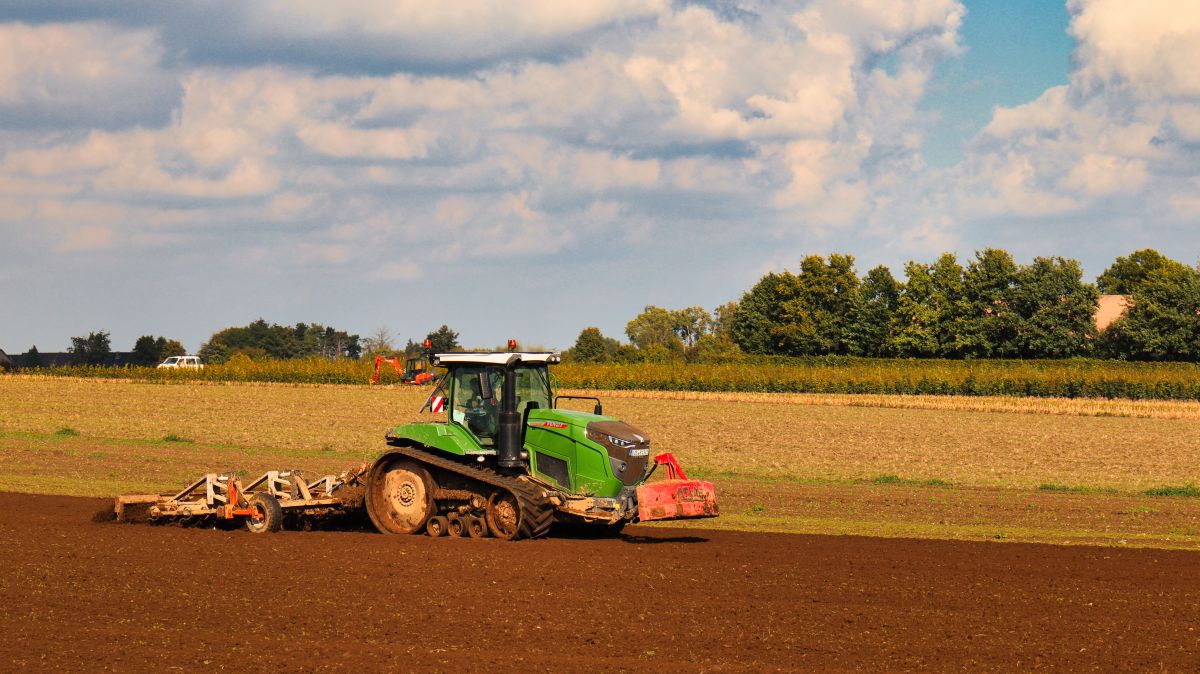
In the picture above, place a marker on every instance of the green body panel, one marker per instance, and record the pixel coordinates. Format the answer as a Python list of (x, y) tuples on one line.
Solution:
[(448, 437), (589, 470)]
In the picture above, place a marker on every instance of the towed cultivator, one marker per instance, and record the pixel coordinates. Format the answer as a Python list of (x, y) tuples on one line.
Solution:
[(507, 461), (261, 504)]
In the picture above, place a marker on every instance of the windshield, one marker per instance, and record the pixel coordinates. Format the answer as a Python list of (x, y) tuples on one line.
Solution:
[(172, 360), (477, 396), (533, 385)]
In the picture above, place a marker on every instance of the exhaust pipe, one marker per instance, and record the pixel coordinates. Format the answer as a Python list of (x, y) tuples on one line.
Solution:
[(508, 436)]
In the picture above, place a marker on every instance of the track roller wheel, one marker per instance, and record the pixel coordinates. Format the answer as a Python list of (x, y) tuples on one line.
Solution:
[(437, 526), (400, 496), (503, 515), (457, 527), (266, 515), (476, 527)]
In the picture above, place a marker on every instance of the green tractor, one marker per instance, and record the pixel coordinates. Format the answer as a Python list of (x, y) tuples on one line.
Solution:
[(508, 462)]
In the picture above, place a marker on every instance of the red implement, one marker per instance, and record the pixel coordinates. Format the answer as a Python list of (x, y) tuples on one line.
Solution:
[(676, 497)]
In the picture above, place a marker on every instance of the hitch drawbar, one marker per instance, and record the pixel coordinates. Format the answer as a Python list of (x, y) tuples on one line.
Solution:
[(676, 497)]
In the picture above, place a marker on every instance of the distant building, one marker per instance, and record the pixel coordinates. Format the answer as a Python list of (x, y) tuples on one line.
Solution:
[(6, 363), (1111, 308)]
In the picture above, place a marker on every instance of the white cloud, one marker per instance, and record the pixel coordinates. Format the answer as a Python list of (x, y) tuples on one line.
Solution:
[(71, 75), (85, 238), (1116, 145), (662, 115), (1152, 46)]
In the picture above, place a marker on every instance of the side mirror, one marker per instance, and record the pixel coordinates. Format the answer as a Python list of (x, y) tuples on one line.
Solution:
[(598, 409)]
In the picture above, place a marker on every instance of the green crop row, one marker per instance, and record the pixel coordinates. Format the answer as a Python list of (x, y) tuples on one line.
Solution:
[(1059, 379), (1041, 378)]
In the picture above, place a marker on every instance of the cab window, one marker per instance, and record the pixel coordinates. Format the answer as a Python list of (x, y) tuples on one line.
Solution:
[(476, 401), (532, 386)]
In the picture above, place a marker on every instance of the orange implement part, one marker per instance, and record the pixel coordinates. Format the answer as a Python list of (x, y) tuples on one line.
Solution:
[(675, 497)]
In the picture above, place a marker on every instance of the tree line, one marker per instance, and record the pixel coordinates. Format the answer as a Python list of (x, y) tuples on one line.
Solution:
[(258, 340), (261, 340), (96, 349), (990, 307)]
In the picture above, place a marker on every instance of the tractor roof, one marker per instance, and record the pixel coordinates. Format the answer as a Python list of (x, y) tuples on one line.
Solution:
[(492, 358)]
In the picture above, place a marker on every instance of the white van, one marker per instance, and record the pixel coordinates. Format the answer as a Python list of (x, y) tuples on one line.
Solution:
[(192, 362)]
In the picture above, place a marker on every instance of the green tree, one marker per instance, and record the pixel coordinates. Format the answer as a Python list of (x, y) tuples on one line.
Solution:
[(988, 325), (1057, 309), (169, 347), (691, 324), (812, 321), (869, 324), (760, 310), (929, 309), (443, 340), (260, 339), (149, 350), (32, 358), (1163, 320), (145, 351), (655, 326), (91, 350), (798, 314), (215, 352), (593, 347), (722, 321), (1127, 273)]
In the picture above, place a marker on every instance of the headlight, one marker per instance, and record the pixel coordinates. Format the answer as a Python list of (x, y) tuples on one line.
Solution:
[(620, 442)]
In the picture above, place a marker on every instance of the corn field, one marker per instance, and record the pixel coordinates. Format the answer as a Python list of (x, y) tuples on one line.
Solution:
[(1035, 378)]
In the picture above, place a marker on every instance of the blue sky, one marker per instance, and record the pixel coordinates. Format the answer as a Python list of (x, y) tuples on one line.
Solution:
[(526, 170), (1014, 50)]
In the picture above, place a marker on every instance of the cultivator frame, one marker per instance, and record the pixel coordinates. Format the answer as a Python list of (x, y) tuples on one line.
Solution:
[(224, 497)]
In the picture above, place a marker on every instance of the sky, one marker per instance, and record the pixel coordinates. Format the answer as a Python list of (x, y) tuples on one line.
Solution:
[(527, 169)]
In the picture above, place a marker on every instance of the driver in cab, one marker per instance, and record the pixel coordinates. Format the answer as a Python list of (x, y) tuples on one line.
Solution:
[(480, 413)]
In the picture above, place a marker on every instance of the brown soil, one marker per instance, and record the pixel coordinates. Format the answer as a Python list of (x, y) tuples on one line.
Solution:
[(82, 595)]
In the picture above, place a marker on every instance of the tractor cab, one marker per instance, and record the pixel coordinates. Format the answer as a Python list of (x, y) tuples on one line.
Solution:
[(475, 388)]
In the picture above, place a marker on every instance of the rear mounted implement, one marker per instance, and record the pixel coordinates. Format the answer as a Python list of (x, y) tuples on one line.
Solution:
[(261, 504), (676, 497)]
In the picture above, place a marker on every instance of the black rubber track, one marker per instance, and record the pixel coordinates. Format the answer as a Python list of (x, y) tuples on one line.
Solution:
[(537, 513)]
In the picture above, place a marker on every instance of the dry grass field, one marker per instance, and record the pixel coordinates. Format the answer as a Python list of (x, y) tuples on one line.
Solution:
[(1001, 468)]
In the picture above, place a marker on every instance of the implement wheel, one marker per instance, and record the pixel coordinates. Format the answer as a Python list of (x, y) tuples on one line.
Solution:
[(456, 527), (504, 515), (399, 496), (266, 514)]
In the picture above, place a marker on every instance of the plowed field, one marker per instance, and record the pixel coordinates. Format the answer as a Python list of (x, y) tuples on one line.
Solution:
[(76, 594)]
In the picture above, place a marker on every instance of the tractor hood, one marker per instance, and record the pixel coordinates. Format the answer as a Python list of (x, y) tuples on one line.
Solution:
[(628, 448)]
